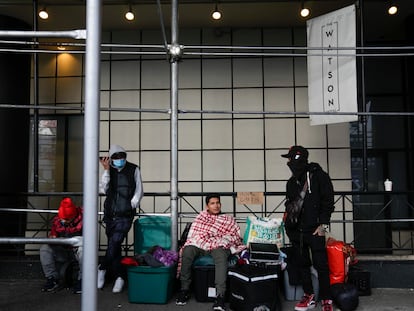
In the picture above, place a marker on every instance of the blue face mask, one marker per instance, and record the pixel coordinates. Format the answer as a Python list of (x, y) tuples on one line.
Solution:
[(119, 163)]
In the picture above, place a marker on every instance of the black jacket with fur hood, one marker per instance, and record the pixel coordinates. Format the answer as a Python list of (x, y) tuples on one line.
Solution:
[(318, 204)]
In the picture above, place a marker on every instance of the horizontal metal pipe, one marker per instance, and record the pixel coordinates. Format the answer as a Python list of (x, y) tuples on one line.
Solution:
[(399, 220), (247, 54), (201, 194), (234, 112), (38, 51), (215, 54), (77, 44), (218, 47), (74, 34), (305, 113), (24, 210), (308, 48), (186, 215), (28, 210), (73, 241), (46, 107)]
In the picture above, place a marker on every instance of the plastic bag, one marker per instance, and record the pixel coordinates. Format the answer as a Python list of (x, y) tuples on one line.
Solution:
[(264, 230), (340, 256)]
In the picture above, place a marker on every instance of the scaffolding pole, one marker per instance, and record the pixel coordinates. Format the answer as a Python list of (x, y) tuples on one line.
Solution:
[(175, 53), (73, 241), (74, 34), (90, 156)]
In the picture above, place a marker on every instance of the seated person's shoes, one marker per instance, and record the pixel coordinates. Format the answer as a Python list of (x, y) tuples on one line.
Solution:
[(182, 298), (219, 304)]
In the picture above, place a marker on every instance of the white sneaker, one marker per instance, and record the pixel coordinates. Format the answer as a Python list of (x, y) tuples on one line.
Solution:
[(101, 278), (119, 284)]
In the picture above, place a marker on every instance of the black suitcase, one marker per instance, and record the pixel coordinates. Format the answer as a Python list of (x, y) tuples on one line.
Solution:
[(254, 287), (264, 252)]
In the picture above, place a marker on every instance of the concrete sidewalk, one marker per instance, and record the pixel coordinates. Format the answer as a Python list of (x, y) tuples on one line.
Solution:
[(25, 295)]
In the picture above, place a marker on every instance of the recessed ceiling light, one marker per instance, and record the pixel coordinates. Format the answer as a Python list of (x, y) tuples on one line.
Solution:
[(43, 14)]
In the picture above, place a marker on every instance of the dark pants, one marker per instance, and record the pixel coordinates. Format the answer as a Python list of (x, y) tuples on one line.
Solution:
[(313, 245), (116, 231)]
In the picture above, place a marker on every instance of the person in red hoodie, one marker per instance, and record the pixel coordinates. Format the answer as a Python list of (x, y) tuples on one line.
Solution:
[(67, 223)]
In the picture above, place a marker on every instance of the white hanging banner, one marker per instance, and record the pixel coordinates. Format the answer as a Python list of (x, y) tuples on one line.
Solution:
[(332, 81)]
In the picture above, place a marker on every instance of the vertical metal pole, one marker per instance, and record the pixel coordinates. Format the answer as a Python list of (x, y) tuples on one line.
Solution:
[(90, 155), (364, 118), (174, 127), (36, 104)]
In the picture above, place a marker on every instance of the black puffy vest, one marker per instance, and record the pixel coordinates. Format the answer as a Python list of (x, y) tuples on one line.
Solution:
[(120, 192)]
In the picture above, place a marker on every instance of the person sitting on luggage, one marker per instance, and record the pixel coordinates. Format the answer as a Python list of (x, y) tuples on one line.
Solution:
[(211, 233), (67, 223)]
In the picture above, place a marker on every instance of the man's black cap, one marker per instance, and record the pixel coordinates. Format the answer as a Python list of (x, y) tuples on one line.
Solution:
[(297, 153)]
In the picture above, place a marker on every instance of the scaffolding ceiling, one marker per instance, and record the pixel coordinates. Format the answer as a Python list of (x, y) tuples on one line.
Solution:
[(70, 14)]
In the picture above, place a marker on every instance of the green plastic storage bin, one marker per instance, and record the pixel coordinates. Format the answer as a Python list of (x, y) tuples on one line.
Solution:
[(150, 231), (149, 284)]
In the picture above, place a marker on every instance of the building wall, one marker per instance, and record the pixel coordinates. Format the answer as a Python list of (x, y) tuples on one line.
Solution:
[(217, 150)]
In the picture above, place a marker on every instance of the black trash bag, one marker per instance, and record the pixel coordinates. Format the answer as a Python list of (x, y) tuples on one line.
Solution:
[(345, 296)]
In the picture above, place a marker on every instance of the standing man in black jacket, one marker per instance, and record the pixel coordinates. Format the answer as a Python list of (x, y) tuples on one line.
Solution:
[(122, 184), (308, 234)]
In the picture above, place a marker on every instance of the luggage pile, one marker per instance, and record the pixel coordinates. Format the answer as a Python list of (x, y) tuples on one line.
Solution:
[(345, 285), (255, 286)]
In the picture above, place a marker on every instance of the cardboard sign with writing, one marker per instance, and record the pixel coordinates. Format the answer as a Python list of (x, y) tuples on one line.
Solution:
[(250, 198)]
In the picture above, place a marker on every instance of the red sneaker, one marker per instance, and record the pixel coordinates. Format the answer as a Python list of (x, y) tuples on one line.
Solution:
[(327, 305), (306, 303)]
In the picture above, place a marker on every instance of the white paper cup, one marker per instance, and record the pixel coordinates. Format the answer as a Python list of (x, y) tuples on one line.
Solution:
[(388, 185)]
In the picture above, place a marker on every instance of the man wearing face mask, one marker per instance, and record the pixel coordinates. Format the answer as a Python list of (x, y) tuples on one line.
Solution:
[(308, 234), (122, 184)]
